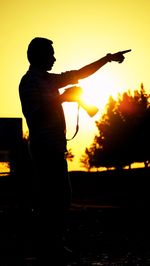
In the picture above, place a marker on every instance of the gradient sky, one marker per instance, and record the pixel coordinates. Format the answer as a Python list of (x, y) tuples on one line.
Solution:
[(82, 31)]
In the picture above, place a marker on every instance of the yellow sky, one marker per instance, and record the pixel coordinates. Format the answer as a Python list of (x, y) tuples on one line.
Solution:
[(82, 31)]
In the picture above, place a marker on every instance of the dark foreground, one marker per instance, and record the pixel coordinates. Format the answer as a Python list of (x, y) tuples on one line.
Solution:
[(107, 224), (109, 236), (93, 236)]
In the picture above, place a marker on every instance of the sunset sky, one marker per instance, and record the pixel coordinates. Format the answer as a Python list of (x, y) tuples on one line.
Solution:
[(82, 31)]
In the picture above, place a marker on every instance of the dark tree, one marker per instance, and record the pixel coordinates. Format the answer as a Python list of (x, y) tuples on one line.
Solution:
[(86, 158), (69, 155), (123, 133)]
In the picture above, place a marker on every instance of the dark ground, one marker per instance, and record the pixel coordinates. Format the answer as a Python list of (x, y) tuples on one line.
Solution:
[(109, 236), (110, 226), (93, 236)]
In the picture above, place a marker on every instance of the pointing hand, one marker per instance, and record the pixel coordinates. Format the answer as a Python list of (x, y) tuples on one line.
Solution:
[(118, 57)]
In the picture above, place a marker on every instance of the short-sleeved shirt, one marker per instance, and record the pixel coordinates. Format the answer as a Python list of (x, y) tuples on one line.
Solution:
[(39, 95)]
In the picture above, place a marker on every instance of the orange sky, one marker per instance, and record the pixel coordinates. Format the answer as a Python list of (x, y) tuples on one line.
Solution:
[(82, 31)]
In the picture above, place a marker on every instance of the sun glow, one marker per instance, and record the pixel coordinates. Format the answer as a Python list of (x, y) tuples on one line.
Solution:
[(98, 88)]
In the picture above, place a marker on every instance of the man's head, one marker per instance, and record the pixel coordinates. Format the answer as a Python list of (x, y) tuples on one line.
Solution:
[(40, 53)]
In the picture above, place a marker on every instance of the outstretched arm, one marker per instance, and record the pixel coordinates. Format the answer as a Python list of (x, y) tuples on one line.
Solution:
[(73, 93), (90, 69)]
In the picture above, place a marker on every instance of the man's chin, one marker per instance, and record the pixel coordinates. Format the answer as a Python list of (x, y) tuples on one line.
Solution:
[(49, 68)]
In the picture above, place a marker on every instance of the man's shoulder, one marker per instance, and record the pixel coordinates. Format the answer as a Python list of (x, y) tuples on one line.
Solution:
[(24, 78), (28, 80)]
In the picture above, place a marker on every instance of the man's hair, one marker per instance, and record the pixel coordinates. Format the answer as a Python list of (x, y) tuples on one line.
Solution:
[(36, 48)]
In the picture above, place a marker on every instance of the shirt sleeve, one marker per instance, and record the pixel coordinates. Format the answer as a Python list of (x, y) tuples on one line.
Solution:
[(63, 79)]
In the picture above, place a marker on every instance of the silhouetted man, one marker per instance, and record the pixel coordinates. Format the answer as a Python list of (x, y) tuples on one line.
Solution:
[(42, 108)]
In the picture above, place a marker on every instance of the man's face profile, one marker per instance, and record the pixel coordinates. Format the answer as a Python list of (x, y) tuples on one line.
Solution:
[(41, 53)]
